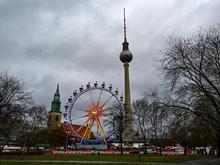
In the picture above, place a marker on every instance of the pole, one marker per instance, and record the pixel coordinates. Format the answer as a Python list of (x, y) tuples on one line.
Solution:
[(139, 155), (66, 139)]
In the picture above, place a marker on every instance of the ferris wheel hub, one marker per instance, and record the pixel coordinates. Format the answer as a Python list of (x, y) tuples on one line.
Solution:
[(95, 111)]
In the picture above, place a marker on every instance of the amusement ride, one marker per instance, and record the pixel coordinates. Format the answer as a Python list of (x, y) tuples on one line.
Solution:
[(89, 113)]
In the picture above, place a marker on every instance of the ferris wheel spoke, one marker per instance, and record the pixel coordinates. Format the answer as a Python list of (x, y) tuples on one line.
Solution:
[(83, 125), (102, 131), (107, 101), (80, 109), (110, 133), (91, 97), (107, 109), (107, 123), (98, 131), (84, 134), (99, 97), (107, 114), (79, 117), (90, 128), (82, 101), (87, 129), (97, 128)]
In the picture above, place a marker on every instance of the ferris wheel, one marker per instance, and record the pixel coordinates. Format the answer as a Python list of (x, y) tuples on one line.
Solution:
[(89, 113)]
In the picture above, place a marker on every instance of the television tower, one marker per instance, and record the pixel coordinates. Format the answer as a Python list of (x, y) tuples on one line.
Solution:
[(126, 57)]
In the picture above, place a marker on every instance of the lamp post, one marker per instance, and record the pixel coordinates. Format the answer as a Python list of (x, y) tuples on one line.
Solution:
[(25, 141), (118, 118), (121, 132), (67, 131), (138, 141)]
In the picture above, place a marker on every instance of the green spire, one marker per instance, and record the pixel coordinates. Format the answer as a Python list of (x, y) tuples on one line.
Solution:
[(57, 93), (56, 101)]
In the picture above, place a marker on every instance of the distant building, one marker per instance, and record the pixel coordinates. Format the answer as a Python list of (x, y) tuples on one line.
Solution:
[(54, 117)]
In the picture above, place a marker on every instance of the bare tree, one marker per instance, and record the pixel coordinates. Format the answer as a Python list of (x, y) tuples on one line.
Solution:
[(192, 69), (116, 121), (201, 134), (141, 120), (158, 124), (150, 118), (13, 102), (35, 121), (37, 117), (180, 128)]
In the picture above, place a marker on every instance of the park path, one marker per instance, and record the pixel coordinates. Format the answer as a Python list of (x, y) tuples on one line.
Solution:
[(202, 162), (194, 162)]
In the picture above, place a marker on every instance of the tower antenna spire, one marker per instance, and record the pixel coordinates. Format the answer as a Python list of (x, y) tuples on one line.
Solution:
[(125, 37)]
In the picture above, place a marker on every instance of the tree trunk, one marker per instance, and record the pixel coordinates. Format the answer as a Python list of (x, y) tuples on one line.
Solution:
[(121, 140), (185, 149), (2, 145), (121, 148), (1, 148), (145, 145)]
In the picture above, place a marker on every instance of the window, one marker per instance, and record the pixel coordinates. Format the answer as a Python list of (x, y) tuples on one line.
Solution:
[(57, 118)]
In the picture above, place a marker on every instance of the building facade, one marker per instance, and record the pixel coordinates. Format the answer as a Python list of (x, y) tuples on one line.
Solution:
[(54, 116)]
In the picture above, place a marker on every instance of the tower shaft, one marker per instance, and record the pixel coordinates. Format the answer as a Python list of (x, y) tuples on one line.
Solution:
[(128, 129)]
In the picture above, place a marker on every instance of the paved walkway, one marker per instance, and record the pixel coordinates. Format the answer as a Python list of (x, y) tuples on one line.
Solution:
[(195, 162), (202, 162)]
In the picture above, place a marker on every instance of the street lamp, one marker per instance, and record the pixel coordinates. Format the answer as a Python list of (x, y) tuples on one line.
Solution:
[(67, 131), (138, 141)]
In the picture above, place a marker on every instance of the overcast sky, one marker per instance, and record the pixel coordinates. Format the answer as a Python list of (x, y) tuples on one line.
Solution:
[(72, 42)]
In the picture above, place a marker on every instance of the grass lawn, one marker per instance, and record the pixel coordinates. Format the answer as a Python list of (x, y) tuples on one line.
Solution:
[(46, 163), (90, 157)]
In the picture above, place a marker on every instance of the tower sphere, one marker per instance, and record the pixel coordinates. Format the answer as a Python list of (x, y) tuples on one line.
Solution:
[(126, 56)]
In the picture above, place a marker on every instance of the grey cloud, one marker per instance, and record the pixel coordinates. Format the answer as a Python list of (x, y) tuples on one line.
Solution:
[(70, 42)]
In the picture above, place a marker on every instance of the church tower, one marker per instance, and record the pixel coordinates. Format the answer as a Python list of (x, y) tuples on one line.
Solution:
[(54, 118)]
